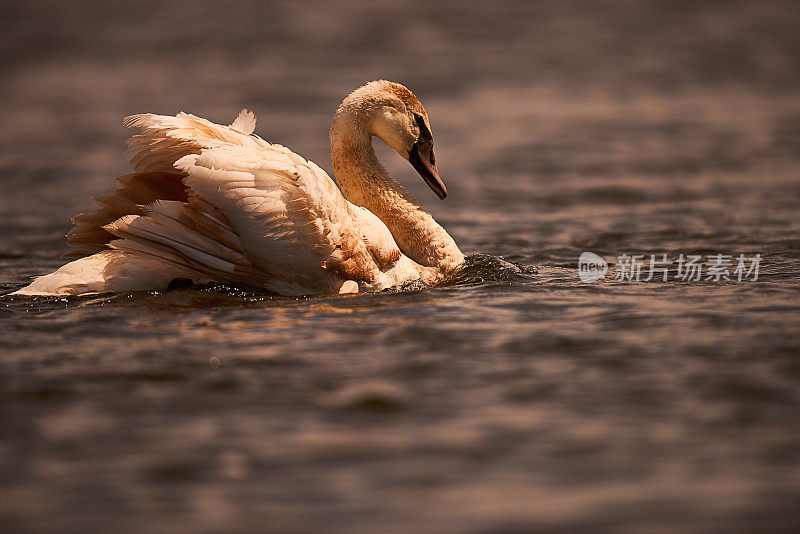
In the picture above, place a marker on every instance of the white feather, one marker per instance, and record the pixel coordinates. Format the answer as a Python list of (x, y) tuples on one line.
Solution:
[(107, 271), (245, 123)]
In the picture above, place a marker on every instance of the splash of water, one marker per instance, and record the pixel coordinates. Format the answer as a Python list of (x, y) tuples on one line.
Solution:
[(481, 269)]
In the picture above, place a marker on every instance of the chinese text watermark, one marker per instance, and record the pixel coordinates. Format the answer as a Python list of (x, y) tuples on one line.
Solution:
[(662, 267)]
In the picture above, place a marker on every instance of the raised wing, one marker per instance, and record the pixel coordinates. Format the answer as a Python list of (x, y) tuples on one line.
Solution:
[(165, 139), (211, 202), (293, 221), (153, 154), (226, 205), (133, 192)]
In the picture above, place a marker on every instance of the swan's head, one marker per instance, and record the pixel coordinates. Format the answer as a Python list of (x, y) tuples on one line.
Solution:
[(392, 113)]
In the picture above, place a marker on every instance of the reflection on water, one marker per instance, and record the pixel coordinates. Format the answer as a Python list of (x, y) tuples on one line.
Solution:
[(511, 398)]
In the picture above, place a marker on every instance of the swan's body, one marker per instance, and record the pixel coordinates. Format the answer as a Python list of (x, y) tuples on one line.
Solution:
[(216, 203)]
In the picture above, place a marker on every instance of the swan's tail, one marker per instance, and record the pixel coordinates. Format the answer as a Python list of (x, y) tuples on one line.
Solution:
[(170, 239), (107, 271)]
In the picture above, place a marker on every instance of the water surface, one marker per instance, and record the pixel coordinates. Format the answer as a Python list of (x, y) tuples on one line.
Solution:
[(511, 399)]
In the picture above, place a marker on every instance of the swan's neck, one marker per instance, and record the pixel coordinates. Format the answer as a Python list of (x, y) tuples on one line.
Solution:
[(365, 182)]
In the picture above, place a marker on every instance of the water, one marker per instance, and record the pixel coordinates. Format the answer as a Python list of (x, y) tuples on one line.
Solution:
[(511, 398)]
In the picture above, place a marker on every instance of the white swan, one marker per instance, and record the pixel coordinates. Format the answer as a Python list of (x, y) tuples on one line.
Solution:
[(217, 203)]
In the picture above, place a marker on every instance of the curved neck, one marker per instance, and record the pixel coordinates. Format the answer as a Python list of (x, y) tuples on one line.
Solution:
[(365, 182)]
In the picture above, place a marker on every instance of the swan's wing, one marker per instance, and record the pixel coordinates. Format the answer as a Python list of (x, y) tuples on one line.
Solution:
[(166, 139), (153, 153), (331, 231), (194, 236), (133, 192), (293, 221), (211, 202)]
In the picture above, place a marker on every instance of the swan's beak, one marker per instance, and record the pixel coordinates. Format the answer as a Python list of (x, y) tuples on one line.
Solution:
[(422, 159)]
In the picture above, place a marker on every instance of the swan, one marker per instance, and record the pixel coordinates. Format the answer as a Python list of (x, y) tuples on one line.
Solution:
[(213, 203)]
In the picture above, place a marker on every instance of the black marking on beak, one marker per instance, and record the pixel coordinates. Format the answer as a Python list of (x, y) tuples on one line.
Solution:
[(424, 133), (423, 160)]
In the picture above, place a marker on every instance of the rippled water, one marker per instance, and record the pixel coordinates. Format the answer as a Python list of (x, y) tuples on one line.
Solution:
[(512, 398)]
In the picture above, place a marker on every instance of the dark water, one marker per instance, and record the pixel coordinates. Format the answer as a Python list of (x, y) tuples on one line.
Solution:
[(511, 399)]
